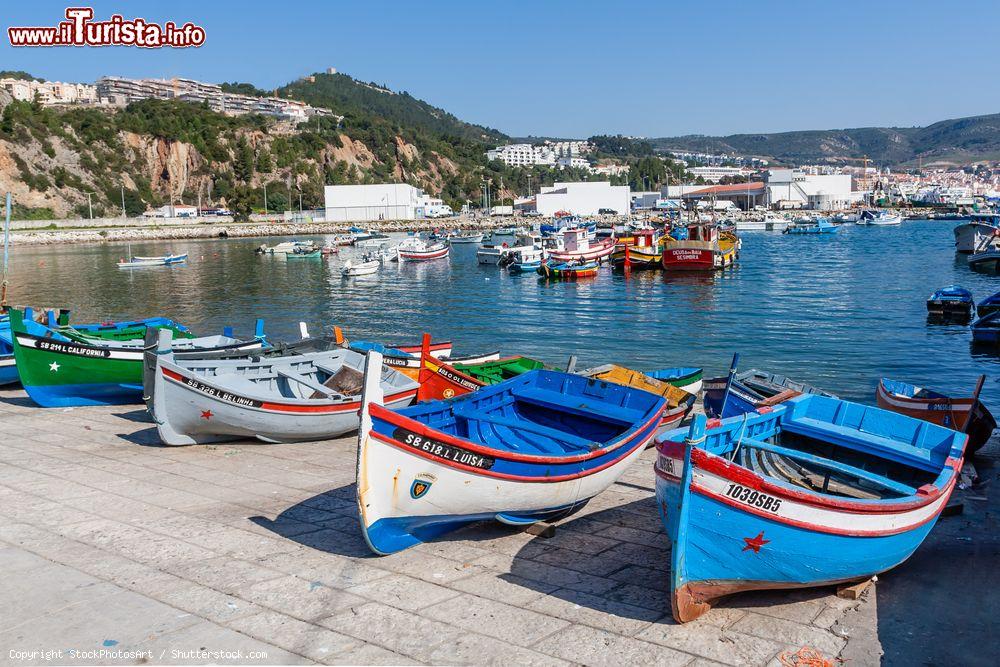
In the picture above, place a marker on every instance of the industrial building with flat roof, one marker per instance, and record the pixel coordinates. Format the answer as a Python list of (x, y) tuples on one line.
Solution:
[(383, 201), (584, 198)]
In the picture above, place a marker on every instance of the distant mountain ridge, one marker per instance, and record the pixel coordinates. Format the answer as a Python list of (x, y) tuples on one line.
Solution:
[(959, 140)]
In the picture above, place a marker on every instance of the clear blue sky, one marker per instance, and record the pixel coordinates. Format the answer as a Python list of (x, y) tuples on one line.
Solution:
[(577, 68)]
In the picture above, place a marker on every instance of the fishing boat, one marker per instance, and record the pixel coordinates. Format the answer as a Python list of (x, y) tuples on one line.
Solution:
[(879, 218), (163, 260), (642, 251), (301, 253), (706, 248), (501, 254), (465, 238), (679, 402), (814, 492), (423, 252), (366, 266), (819, 226), (573, 270), (966, 414), (950, 303), (370, 240), (494, 371), (297, 398), (686, 378), (411, 366), (971, 235), (986, 330), (987, 261), (58, 369), (524, 260), (576, 246), (990, 304), (747, 391), (286, 247), (536, 447), (8, 366)]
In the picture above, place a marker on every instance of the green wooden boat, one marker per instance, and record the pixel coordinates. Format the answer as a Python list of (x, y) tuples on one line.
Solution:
[(494, 372), (113, 331), (62, 371)]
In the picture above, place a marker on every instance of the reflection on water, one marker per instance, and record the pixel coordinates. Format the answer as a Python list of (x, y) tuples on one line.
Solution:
[(837, 312)]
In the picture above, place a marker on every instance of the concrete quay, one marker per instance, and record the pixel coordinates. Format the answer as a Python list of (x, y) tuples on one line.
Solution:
[(116, 550)]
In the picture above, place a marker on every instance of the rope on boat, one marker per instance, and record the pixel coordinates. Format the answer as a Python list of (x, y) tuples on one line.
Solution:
[(804, 657), (739, 441)]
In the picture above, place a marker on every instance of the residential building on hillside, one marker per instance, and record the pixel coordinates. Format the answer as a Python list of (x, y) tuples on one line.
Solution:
[(121, 91), (577, 162), (50, 92), (570, 148), (716, 174), (522, 155)]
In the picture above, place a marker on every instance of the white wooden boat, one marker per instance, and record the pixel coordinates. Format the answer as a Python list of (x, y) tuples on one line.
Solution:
[(466, 238), (362, 268), (163, 260), (302, 397), (422, 252)]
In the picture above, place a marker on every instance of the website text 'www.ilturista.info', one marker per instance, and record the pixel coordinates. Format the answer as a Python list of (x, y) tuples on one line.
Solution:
[(81, 30)]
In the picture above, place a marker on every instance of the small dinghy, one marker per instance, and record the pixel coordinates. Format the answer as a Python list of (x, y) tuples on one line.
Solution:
[(494, 371), (813, 492), (986, 330), (465, 238), (989, 305), (819, 226), (739, 393), (966, 414), (951, 303), (302, 397), (59, 368), (162, 260), (679, 402), (536, 447), (573, 270), (987, 261), (367, 266), (686, 378)]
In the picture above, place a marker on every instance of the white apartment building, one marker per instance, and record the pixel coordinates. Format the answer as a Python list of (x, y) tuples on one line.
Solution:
[(50, 92), (715, 174), (522, 155), (122, 91), (578, 162), (570, 148), (791, 188)]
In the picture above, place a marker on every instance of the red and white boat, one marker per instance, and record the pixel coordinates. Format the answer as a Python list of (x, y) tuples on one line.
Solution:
[(705, 249), (422, 252), (576, 246)]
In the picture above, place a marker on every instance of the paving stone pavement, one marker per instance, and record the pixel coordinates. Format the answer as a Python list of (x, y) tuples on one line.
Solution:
[(250, 553)]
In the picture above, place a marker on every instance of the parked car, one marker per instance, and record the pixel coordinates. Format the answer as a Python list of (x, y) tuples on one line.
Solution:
[(607, 211)]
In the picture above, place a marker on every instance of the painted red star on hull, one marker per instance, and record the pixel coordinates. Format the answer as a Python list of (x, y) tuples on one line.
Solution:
[(206, 414), (755, 543)]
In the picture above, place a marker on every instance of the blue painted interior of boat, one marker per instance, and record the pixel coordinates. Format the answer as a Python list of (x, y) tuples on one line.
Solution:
[(541, 412), (667, 374), (906, 389)]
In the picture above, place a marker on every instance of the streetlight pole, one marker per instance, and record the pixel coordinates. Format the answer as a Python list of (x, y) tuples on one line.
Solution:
[(90, 205), (123, 201), (265, 199), (300, 202)]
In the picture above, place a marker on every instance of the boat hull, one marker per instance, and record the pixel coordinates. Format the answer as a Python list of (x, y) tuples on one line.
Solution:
[(696, 259), (190, 409), (8, 370), (970, 236), (423, 256), (954, 413), (986, 262), (407, 494)]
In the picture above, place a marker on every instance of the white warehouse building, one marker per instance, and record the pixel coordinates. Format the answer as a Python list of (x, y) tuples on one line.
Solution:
[(585, 198), (792, 188), (383, 201)]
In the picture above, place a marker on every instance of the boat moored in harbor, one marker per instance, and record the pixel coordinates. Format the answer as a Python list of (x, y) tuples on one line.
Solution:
[(951, 303)]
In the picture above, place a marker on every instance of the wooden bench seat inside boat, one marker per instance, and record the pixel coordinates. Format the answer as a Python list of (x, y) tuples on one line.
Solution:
[(867, 476), (319, 391), (344, 380), (552, 441), (554, 400), (845, 436)]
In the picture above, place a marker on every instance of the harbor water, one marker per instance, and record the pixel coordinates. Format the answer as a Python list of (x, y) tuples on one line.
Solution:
[(835, 311)]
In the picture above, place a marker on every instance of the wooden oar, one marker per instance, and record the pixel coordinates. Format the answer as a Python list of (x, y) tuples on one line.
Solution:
[(975, 400)]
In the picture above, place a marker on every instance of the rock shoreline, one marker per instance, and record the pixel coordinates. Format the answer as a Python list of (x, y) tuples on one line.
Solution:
[(242, 230)]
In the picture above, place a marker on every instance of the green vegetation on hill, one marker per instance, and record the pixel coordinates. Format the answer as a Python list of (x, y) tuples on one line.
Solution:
[(348, 97), (18, 74)]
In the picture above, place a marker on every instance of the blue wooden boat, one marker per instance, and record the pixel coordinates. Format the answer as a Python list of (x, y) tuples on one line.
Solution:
[(990, 304), (8, 367), (821, 226), (951, 303), (742, 392), (987, 261), (687, 378), (814, 492), (986, 330), (537, 446)]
